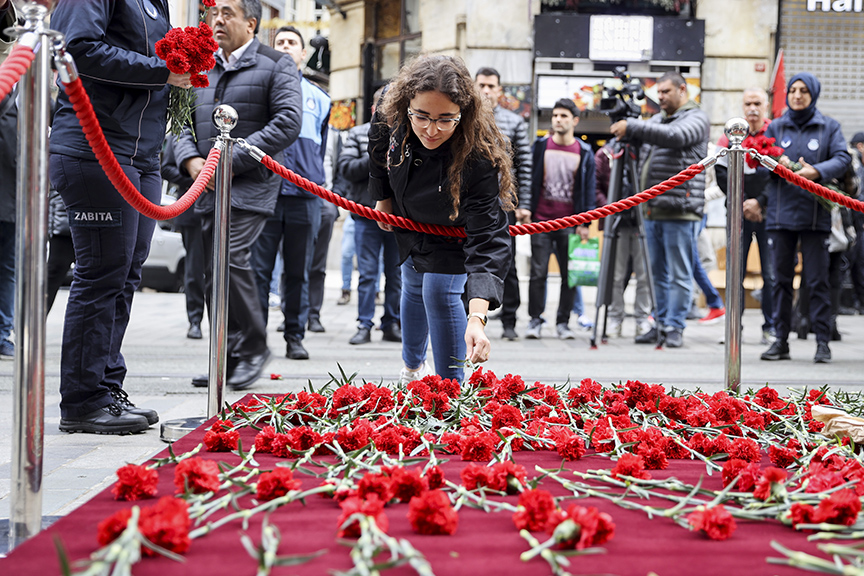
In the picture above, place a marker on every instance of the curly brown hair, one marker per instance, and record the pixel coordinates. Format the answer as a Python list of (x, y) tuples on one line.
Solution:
[(476, 135)]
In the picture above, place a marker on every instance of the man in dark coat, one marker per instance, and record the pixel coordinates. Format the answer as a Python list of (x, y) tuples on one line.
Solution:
[(262, 85)]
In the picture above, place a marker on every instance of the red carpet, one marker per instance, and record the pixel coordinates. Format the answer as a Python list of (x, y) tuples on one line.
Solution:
[(484, 544)]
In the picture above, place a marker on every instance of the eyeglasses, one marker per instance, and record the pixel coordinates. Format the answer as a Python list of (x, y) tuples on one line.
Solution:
[(443, 124)]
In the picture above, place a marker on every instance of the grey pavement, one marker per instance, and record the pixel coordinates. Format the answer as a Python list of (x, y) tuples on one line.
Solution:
[(161, 362)]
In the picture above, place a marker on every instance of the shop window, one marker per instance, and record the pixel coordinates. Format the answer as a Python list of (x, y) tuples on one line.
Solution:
[(397, 35)]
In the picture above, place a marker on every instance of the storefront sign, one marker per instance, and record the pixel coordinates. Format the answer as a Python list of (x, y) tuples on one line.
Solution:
[(835, 5), (621, 38)]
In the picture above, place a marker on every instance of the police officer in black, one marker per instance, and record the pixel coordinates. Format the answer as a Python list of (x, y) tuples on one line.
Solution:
[(113, 44)]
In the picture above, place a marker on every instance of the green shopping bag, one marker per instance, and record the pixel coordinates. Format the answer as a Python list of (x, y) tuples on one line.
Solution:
[(583, 267)]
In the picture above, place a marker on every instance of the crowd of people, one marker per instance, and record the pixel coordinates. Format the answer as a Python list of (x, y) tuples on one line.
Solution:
[(440, 149)]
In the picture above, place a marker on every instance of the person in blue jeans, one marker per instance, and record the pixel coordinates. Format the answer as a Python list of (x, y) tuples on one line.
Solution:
[(437, 157), (374, 246), (716, 310)]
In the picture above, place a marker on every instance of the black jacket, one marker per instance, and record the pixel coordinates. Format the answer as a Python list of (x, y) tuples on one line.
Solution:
[(172, 173), (671, 144), (352, 168), (516, 130), (113, 43), (584, 185), (8, 130), (417, 183), (264, 88)]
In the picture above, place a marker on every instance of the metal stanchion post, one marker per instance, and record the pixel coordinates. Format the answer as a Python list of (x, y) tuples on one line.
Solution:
[(736, 130), (28, 412), (225, 118)]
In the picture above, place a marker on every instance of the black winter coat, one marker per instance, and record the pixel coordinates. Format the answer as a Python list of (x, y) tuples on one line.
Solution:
[(353, 168), (113, 43), (671, 144), (516, 130), (417, 183), (264, 89)]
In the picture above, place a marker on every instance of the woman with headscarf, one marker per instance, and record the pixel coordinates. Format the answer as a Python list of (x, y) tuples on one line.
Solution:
[(794, 215)]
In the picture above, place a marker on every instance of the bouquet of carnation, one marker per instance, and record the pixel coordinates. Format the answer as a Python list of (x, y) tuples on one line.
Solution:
[(187, 50)]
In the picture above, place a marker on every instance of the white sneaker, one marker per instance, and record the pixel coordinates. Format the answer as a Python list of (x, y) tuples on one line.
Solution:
[(643, 327), (585, 322), (534, 328), (274, 301), (407, 376), (614, 329), (564, 332)]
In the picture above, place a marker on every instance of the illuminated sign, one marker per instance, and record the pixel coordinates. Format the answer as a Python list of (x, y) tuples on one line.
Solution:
[(835, 5), (621, 38)]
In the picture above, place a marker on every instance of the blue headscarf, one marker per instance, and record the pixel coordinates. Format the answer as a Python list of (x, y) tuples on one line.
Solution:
[(801, 117)]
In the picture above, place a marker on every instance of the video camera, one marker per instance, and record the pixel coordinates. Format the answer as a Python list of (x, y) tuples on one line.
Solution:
[(620, 103)]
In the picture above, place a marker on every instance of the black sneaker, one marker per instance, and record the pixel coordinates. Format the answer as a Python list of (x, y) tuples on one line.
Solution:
[(674, 338), (649, 337), (111, 419), (823, 353), (122, 399), (779, 350)]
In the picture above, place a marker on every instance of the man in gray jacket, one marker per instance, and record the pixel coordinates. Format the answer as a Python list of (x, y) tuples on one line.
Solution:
[(671, 141), (512, 125), (263, 86)]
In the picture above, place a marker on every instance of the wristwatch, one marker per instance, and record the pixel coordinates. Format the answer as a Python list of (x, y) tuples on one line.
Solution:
[(482, 317)]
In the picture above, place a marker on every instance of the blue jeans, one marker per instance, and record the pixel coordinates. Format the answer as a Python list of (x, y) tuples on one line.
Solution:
[(578, 306), (111, 243), (7, 279), (670, 251), (349, 249), (712, 297), (432, 308), (370, 241)]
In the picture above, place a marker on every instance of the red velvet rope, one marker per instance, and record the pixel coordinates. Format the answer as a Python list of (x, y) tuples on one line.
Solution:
[(15, 65), (818, 189), (93, 132), (533, 228)]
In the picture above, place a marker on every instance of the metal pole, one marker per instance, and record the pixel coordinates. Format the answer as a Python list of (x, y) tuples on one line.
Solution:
[(28, 412), (736, 130), (225, 119)]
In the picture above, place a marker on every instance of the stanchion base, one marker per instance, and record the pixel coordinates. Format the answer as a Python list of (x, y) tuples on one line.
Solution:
[(173, 430), (5, 541)]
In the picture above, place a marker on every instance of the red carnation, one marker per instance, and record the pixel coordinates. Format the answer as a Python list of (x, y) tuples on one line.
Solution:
[(842, 507), (781, 457), (435, 476), (264, 439), (165, 524), (480, 447), (199, 80), (570, 447), (630, 465), (765, 486), (535, 508), (511, 477), (474, 476), (407, 483), (802, 514), (745, 449), (717, 523), (735, 467), (135, 482), (507, 417), (371, 506), (221, 441), (432, 514), (197, 476), (580, 527), (275, 484), (378, 484)]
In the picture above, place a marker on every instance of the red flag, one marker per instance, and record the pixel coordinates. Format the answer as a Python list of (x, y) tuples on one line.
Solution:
[(778, 87)]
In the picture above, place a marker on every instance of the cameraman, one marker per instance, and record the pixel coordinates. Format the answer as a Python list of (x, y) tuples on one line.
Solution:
[(671, 141)]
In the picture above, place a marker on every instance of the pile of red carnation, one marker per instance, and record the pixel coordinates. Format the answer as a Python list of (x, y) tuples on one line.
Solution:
[(189, 50)]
